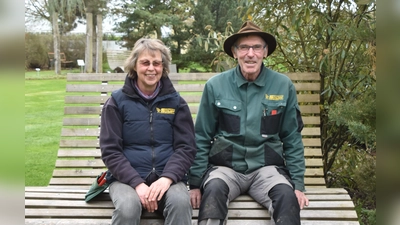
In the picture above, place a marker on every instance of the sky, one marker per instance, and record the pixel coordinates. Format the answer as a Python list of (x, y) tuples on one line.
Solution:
[(45, 26)]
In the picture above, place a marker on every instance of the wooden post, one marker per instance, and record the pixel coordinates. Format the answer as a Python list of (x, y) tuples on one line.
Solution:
[(56, 41), (99, 41), (89, 41)]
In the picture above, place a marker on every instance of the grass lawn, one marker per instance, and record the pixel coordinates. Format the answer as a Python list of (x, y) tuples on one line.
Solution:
[(44, 103), (48, 74)]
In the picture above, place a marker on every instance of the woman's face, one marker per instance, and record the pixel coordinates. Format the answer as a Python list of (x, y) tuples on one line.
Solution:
[(149, 69)]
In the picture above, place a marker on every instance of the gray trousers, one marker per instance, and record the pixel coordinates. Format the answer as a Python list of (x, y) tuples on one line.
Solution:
[(267, 185), (175, 205)]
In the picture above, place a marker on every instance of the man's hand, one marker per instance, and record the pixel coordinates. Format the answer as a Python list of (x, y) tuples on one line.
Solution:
[(195, 198), (301, 198), (143, 191)]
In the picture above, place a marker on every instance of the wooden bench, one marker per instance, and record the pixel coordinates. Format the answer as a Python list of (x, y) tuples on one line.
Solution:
[(78, 160), (116, 59), (63, 59)]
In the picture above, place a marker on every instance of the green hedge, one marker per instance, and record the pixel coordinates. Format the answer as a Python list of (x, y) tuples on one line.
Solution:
[(37, 45)]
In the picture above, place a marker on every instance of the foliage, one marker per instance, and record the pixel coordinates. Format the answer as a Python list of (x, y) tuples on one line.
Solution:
[(36, 50), (147, 18), (358, 115), (214, 22), (110, 37), (368, 216), (38, 45), (355, 161), (337, 39), (68, 12), (355, 170)]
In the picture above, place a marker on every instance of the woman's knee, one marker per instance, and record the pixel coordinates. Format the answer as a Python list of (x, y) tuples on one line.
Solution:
[(126, 201), (178, 195)]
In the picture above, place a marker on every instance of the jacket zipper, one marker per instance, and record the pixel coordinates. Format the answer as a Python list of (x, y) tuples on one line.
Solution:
[(152, 140)]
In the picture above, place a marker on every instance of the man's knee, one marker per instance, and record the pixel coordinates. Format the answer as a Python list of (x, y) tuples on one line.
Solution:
[(285, 207), (284, 194), (215, 187), (214, 203)]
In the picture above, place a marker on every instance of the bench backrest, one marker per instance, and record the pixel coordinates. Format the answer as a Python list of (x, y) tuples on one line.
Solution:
[(63, 58), (116, 58), (79, 158)]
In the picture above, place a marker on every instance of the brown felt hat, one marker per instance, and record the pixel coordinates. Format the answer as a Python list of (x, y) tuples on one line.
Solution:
[(247, 29)]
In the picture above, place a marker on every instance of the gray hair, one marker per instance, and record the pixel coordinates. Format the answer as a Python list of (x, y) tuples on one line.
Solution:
[(151, 46)]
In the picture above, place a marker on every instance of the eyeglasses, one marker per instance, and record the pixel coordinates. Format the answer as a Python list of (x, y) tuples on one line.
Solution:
[(246, 48), (146, 63)]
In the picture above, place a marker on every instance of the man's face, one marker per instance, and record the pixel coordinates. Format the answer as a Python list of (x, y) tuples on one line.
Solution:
[(250, 51)]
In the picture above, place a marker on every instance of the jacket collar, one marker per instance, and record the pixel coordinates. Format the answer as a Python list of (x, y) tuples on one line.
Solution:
[(128, 88), (260, 81)]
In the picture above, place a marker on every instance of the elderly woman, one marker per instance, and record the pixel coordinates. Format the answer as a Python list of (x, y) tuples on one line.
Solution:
[(147, 140)]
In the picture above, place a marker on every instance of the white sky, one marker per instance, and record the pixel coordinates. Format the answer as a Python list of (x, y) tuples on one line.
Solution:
[(45, 26)]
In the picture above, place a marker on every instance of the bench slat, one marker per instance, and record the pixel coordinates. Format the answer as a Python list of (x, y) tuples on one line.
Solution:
[(238, 213), (310, 172), (92, 152), (308, 181), (233, 205), (158, 222), (94, 132), (189, 99), (96, 110), (176, 76), (308, 142), (81, 121), (98, 163), (78, 189), (100, 88)]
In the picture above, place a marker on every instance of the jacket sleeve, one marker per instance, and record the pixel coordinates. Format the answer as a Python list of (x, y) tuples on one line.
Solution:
[(291, 138), (205, 127), (183, 143), (111, 146)]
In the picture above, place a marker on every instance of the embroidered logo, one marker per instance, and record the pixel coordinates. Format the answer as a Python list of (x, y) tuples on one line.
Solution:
[(274, 97), (166, 110)]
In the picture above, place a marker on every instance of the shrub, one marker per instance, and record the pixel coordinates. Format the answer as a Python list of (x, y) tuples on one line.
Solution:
[(36, 50), (37, 46)]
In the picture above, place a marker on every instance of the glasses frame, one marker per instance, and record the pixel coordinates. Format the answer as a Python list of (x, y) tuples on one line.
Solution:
[(147, 63), (246, 48)]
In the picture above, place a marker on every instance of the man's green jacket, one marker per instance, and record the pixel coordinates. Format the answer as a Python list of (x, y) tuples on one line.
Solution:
[(247, 125)]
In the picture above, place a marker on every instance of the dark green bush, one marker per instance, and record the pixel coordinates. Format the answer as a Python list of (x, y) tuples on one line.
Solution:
[(355, 164), (36, 50), (37, 46)]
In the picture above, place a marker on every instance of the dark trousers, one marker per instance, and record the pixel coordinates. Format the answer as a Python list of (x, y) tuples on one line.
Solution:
[(214, 204)]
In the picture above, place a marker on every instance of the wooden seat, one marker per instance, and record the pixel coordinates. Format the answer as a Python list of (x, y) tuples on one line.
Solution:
[(63, 59), (79, 159)]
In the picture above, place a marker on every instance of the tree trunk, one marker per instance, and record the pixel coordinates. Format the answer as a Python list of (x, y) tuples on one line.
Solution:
[(56, 41), (99, 46), (89, 41)]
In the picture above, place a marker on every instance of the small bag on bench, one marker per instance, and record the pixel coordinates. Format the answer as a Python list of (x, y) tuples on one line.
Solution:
[(98, 186)]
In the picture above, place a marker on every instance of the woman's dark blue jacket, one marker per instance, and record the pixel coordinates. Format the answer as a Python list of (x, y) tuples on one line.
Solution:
[(141, 140)]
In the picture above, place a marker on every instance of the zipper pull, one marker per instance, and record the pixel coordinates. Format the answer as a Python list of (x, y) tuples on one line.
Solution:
[(151, 116)]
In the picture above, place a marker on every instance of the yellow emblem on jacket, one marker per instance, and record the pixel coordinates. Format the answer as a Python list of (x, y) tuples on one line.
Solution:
[(166, 110), (274, 97)]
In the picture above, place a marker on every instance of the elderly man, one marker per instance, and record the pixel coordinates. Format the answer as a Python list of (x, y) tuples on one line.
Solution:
[(248, 136)]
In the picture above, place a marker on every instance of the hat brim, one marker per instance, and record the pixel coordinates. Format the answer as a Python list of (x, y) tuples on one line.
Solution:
[(268, 38)]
